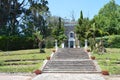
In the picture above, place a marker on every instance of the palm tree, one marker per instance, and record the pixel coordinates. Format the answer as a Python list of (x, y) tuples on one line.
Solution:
[(92, 33), (40, 40)]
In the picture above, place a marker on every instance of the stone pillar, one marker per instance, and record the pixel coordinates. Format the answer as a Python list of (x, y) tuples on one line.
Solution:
[(56, 45), (68, 44), (78, 44), (74, 44), (86, 43), (63, 45)]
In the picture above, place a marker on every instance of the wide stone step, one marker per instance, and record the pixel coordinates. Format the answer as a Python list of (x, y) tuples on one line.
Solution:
[(70, 62), (69, 53), (70, 66)]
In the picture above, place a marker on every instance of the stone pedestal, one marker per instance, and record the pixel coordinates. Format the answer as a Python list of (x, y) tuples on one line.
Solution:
[(86, 43), (63, 45), (78, 44), (56, 45)]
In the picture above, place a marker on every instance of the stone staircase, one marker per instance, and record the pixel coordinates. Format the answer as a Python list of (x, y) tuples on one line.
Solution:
[(70, 53), (70, 60)]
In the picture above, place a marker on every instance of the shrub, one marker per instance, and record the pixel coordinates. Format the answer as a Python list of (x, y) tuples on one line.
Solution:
[(1, 62), (111, 41), (16, 43), (49, 43), (114, 41)]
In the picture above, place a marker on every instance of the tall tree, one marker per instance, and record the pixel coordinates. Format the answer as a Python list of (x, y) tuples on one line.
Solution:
[(39, 12), (58, 31), (108, 18), (12, 10), (82, 27)]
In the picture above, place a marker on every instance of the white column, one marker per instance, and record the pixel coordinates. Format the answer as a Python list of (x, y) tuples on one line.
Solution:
[(74, 44), (63, 45), (68, 44), (56, 45), (86, 43), (78, 44)]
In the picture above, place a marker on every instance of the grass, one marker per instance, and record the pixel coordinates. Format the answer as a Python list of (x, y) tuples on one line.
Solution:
[(109, 61), (22, 60), (29, 60)]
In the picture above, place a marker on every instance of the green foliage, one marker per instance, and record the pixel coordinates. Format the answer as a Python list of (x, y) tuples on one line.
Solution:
[(22, 60), (37, 16), (38, 36), (50, 42), (21, 20), (114, 41), (82, 27), (109, 61), (1, 62), (9, 12), (16, 43), (108, 18), (58, 32)]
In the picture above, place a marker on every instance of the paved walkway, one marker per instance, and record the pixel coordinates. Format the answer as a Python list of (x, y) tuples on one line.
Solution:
[(68, 76), (112, 77), (4, 76)]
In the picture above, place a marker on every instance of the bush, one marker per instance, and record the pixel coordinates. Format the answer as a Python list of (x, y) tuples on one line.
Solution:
[(111, 41), (114, 41), (16, 43), (49, 43)]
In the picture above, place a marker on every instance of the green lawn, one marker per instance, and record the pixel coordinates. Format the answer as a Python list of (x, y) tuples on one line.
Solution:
[(22, 60), (29, 60), (109, 61)]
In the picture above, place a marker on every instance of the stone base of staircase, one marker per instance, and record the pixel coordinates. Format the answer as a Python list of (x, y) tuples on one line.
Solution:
[(72, 66), (71, 60), (68, 76)]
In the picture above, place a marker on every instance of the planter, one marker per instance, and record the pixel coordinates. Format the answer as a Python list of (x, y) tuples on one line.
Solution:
[(37, 71), (105, 72), (88, 50), (48, 58), (93, 57), (54, 51)]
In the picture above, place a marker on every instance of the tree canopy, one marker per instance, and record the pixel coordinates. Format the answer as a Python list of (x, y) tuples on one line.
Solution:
[(108, 18)]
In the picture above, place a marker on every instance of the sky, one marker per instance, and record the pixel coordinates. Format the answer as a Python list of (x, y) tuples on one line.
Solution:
[(65, 8)]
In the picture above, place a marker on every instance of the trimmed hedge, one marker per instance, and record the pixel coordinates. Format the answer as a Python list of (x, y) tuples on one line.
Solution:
[(16, 43)]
